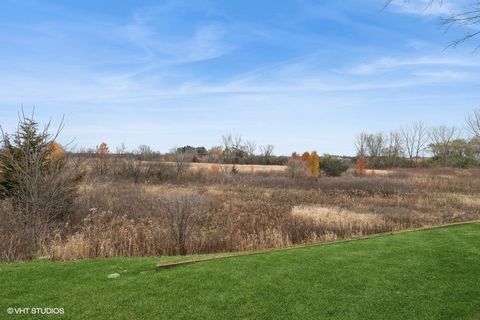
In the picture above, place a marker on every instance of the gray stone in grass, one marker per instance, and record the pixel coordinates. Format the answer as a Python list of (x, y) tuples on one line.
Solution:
[(45, 258), (113, 276)]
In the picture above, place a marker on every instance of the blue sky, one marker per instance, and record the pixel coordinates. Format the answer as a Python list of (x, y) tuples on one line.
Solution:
[(301, 75)]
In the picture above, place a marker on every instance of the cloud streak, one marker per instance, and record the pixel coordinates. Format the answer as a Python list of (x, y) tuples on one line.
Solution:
[(385, 64)]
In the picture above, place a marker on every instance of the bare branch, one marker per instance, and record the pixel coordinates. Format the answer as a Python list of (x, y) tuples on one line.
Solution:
[(467, 18)]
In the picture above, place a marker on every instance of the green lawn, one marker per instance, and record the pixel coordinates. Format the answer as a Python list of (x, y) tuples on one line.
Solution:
[(433, 274)]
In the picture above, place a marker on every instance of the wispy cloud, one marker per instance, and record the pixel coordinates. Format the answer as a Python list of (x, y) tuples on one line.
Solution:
[(304, 74), (204, 42), (447, 75), (385, 64)]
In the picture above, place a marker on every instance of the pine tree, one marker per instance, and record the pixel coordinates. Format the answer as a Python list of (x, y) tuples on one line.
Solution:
[(35, 174), (27, 150)]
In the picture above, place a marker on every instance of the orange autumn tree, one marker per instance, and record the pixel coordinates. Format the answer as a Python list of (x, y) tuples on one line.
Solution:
[(360, 166), (308, 164), (305, 156), (56, 151)]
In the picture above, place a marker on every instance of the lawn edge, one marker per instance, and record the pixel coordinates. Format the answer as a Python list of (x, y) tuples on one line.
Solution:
[(221, 256)]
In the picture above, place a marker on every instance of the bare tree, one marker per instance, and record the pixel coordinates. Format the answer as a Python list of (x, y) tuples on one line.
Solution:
[(422, 139), (145, 152), (472, 122), (415, 138), (182, 213), (237, 142), (441, 139), (227, 145), (215, 154), (394, 150), (409, 137), (250, 147), (181, 161), (361, 144), (396, 143), (238, 148), (233, 147), (118, 159), (121, 149), (375, 144), (267, 152)]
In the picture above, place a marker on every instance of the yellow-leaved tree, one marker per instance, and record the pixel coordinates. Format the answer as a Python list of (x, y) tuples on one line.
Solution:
[(314, 164)]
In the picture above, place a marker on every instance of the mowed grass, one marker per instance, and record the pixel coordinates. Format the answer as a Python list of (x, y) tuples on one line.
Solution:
[(430, 274)]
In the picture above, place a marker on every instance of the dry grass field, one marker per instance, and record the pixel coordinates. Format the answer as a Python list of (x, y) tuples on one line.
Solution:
[(243, 168), (216, 211), (149, 209)]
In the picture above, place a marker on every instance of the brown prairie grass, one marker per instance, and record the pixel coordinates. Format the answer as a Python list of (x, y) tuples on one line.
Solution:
[(244, 168), (338, 220), (262, 210), (102, 236)]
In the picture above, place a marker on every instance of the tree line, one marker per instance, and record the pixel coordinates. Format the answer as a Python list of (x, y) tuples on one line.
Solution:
[(419, 145), (233, 149)]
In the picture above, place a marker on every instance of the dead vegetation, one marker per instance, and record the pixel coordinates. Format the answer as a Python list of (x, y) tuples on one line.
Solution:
[(225, 212)]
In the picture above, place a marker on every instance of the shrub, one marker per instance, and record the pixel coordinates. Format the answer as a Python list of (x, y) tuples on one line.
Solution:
[(102, 163), (13, 243), (296, 168), (360, 166), (131, 168), (333, 167), (180, 162), (139, 171), (182, 212)]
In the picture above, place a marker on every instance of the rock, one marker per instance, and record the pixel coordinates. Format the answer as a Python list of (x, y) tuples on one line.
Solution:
[(44, 258)]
